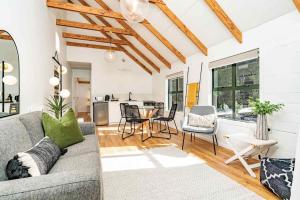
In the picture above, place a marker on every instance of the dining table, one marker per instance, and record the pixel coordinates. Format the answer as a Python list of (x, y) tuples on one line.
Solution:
[(147, 112)]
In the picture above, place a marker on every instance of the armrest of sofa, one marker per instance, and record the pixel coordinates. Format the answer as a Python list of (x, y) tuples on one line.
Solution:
[(88, 128), (75, 185)]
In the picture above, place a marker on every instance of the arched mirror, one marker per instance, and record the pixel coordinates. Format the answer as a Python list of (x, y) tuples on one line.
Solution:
[(9, 75)]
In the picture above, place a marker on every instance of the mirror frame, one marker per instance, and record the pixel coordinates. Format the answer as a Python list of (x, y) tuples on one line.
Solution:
[(19, 78)]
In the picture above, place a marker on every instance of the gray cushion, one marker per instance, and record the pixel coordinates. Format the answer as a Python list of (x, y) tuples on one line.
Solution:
[(43, 156), (90, 144), (33, 124), (197, 129), (80, 162), (13, 139), (73, 185), (88, 128)]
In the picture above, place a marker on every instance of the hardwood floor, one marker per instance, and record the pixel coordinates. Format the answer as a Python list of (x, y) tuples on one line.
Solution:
[(109, 137), (85, 115)]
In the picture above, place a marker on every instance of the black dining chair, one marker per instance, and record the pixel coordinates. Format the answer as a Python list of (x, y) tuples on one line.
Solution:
[(159, 106), (123, 116), (133, 117), (166, 121)]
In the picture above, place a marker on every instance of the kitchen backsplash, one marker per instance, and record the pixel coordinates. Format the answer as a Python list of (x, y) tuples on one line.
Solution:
[(122, 97)]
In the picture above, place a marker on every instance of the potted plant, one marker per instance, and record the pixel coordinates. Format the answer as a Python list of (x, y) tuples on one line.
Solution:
[(262, 109), (55, 105)]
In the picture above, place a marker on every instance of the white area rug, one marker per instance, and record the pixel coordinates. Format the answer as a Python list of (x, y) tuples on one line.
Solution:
[(165, 173)]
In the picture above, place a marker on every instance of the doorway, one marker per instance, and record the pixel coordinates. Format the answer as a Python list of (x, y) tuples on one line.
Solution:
[(81, 90)]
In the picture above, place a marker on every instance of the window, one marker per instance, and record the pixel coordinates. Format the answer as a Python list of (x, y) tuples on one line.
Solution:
[(175, 92), (233, 86)]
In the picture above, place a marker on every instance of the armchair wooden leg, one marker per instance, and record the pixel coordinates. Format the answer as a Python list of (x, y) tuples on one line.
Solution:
[(216, 140), (213, 137), (183, 137)]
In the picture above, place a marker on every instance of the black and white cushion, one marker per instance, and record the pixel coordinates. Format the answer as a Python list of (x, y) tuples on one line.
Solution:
[(277, 175), (36, 161)]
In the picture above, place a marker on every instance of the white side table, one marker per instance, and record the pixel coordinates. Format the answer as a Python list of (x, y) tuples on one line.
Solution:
[(255, 147)]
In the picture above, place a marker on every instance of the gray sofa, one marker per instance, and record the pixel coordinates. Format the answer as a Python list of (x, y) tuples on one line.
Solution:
[(75, 176)]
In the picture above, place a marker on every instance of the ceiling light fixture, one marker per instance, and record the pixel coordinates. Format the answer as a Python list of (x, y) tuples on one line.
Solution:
[(110, 55), (134, 11), (9, 80), (7, 68)]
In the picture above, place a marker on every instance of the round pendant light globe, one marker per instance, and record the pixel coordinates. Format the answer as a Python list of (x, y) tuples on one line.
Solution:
[(7, 67), (64, 69), (110, 56), (10, 80), (64, 93), (134, 11), (54, 81)]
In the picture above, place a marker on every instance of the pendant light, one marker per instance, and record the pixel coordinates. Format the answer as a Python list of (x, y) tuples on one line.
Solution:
[(9, 80), (54, 81), (64, 93), (110, 55), (134, 11), (7, 68)]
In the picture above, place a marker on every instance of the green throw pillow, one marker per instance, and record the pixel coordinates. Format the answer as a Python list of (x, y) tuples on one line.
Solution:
[(65, 131)]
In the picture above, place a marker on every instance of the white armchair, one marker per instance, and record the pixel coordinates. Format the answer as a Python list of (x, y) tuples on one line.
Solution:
[(201, 110)]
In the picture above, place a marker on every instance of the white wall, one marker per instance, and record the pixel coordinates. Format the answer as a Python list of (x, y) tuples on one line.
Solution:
[(116, 78), (32, 25), (279, 45)]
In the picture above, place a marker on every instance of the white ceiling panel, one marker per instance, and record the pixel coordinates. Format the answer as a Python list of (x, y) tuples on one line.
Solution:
[(248, 14)]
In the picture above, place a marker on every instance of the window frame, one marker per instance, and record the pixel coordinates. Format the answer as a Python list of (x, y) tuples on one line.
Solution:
[(175, 92), (233, 88)]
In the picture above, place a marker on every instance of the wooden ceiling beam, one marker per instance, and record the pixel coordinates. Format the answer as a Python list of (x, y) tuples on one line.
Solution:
[(159, 36), (108, 36), (153, 30), (157, 1), (137, 61), (225, 19), (138, 37), (85, 9), (165, 9), (93, 38), (93, 46), (94, 27), (137, 51), (297, 4), (5, 37)]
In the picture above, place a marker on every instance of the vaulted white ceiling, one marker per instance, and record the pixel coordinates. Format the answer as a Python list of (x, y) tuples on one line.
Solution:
[(198, 17)]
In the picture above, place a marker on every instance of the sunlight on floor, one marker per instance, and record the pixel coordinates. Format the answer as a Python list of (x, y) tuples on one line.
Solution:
[(133, 158)]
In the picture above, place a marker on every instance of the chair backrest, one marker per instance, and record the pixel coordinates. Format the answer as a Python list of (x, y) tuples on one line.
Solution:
[(122, 108), (135, 112), (173, 111), (203, 110), (132, 112), (161, 109)]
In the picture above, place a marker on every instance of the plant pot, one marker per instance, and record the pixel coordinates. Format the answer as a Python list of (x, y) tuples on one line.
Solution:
[(262, 128)]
